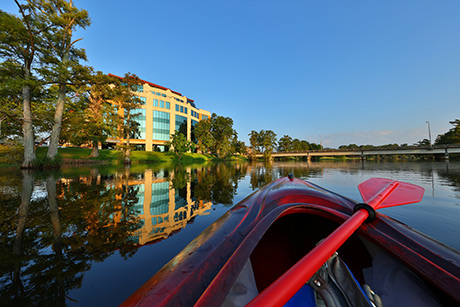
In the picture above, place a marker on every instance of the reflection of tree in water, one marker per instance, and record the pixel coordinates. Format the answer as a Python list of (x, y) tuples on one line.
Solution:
[(48, 243), (451, 173), (262, 174), (217, 183)]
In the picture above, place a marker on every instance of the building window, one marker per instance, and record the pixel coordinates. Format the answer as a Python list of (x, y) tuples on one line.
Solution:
[(138, 88), (181, 124), (167, 105), (155, 102), (181, 109), (160, 198), (192, 132), (142, 99), (164, 95), (161, 126), (177, 107), (158, 93), (162, 104), (140, 119), (204, 117), (185, 110)]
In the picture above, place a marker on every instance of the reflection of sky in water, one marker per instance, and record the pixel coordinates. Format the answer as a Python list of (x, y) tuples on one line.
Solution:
[(172, 213), (39, 192), (437, 215)]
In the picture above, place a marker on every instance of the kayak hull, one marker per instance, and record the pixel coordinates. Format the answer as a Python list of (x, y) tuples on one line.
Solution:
[(275, 227)]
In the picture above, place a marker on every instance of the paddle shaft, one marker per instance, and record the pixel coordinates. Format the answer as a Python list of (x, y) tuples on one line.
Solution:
[(280, 291)]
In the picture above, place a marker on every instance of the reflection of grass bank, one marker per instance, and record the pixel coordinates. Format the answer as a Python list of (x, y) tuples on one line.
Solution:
[(81, 156)]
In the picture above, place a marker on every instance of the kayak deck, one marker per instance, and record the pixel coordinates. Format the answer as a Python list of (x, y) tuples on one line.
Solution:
[(274, 228)]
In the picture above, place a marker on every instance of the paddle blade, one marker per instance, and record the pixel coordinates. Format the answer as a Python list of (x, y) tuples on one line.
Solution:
[(388, 193)]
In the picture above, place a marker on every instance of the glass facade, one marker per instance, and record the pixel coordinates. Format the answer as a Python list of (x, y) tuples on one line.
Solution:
[(192, 133), (181, 124), (143, 100), (160, 126), (164, 112), (140, 119), (138, 88), (160, 198)]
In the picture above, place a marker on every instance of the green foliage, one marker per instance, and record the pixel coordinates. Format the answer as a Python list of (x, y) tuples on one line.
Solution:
[(44, 161), (285, 143), (450, 137), (263, 142), (124, 98), (238, 146), (91, 118), (180, 144), (215, 136), (11, 152), (424, 142), (205, 138), (37, 49)]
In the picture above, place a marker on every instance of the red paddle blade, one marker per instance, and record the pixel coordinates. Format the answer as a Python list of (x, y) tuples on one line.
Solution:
[(382, 193)]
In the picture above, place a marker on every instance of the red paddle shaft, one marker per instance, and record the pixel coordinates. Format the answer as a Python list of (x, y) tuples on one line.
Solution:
[(280, 291)]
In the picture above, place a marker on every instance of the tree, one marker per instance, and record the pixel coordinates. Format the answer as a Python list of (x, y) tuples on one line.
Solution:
[(93, 118), (285, 143), (238, 146), (452, 136), (424, 142), (41, 40), (19, 44), (61, 63), (263, 142), (204, 136), (180, 144), (215, 135), (127, 103)]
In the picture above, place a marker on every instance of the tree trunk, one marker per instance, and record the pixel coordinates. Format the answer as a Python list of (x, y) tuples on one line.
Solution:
[(27, 128), (23, 210), (127, 151), (54, 213), (95, 149), (55, 134)]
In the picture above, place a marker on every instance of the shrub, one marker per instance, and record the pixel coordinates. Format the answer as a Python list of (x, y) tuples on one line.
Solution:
[(11, 152)]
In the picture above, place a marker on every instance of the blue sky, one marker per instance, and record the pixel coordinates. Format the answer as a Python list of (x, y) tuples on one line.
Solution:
[(340, 72)]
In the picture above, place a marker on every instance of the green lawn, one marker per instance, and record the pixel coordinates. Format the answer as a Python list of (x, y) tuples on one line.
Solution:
[(116, 157), (66, 155)]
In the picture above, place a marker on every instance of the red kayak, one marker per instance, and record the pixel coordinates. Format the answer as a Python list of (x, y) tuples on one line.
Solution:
[(293, 241)]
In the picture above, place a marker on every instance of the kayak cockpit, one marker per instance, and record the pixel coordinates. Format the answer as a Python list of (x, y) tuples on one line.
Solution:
[(292, 236)]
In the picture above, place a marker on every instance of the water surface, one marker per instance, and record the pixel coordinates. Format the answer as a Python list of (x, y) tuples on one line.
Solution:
[(92, 236)]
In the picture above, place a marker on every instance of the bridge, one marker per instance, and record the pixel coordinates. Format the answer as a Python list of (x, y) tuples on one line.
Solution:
[(440, 150)]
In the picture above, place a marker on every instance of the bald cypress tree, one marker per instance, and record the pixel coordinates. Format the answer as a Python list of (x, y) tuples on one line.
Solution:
[(20, 41), (61, 63)]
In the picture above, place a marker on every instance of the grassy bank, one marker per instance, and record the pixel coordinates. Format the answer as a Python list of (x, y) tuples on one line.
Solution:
[(82, 155), (75, 155)]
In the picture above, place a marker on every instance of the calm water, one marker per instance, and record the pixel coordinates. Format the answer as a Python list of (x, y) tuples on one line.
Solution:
[(92, 236)]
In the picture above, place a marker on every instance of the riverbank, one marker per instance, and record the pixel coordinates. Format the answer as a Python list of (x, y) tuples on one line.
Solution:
[(81, 156)]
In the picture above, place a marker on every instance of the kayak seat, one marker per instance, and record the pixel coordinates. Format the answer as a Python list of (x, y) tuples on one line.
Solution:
[(291, 237)]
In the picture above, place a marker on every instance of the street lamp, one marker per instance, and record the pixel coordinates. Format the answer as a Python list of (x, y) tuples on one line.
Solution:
[(429, 131)]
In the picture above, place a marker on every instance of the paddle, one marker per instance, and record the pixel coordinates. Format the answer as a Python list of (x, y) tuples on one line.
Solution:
[(377, 193)]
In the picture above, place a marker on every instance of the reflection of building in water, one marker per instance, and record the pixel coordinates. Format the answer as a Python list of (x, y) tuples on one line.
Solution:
[(162, 209)]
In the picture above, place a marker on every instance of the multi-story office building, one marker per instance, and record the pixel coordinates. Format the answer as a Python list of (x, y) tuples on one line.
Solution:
[(163, 112)]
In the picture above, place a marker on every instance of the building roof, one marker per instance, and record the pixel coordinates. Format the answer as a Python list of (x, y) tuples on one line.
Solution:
[(154, 85)]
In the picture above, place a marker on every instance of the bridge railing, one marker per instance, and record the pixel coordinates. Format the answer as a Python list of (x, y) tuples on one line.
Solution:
[(375, 149)]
